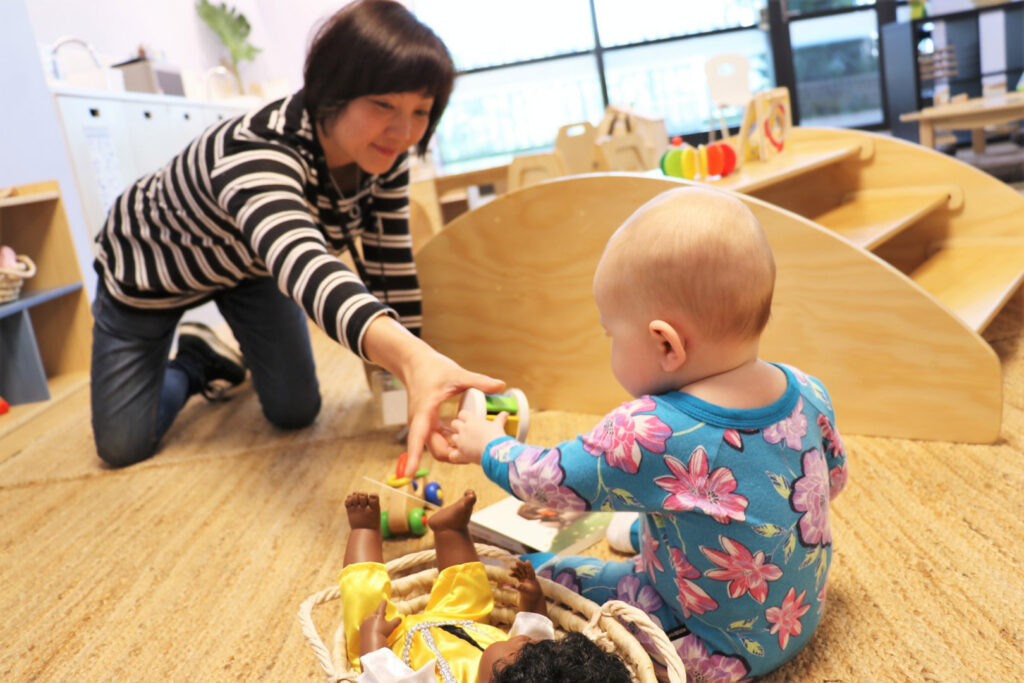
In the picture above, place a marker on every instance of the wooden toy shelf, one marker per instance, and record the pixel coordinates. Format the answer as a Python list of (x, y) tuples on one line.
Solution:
[(891, 259), (45, 333)]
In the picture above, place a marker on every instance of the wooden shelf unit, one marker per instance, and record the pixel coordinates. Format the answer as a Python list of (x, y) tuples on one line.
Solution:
[(45, 334)]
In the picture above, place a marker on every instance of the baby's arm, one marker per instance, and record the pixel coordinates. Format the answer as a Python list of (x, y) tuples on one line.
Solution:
[(612, 467), (531, 597)]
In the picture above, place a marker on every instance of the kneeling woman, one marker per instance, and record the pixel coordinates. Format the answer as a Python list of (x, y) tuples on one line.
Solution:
[(252, 215)]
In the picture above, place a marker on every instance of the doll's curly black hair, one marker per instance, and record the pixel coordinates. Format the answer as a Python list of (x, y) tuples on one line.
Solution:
[(573, 658)]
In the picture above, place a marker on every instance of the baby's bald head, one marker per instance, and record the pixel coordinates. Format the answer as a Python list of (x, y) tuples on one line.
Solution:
[(695, 250)]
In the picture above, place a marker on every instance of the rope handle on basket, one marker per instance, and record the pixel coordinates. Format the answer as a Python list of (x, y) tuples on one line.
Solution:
[(26, 270), (617, 609)]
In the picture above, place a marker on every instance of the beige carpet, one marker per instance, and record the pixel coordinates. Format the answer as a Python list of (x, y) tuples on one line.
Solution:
[(190, 567)]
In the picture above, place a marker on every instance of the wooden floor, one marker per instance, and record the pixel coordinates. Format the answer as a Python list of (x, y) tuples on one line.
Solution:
[(192, 566)]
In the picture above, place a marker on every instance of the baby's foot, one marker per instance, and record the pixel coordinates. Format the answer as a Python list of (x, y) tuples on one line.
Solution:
[(363, 510), (454, 516)]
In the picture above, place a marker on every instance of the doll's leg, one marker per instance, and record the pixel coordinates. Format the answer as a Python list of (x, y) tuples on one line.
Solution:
[(364, 541), (451, 535)]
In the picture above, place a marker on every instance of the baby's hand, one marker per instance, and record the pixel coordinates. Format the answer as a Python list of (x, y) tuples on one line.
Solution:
[(375, 629), (531, 596), (470, 435)]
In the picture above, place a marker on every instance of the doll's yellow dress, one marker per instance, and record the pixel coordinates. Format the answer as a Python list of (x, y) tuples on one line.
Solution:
[(461, 595)]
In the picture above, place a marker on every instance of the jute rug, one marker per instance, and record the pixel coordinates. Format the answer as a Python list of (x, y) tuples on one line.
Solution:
[(192, 566)]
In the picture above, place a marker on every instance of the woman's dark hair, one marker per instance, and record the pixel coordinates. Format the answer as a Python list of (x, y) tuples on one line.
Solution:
[(572, 658), (375, 47)]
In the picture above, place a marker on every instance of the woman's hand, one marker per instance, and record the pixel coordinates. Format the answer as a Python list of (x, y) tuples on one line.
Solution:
[(375, 629), (470, 435), (430, 378)]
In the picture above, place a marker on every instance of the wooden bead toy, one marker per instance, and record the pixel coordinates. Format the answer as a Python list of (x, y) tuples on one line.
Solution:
[(403, 502)]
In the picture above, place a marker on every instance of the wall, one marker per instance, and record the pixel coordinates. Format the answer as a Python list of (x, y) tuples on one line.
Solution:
[(32, 145), (174, 32)]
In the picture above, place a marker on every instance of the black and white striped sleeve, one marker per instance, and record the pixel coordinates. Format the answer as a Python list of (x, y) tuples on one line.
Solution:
[(387, 248), (262, 188)]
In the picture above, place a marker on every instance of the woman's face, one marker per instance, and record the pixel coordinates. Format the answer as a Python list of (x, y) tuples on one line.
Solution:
[(373, 130)]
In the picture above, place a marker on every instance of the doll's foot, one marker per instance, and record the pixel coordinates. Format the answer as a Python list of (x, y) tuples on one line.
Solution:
[(363, 510), (455, 515)]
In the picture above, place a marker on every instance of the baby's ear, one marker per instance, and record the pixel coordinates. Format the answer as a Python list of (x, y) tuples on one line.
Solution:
[(671, 346)]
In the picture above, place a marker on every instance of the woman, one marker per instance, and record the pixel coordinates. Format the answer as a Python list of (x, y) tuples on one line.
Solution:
[(250, 216)]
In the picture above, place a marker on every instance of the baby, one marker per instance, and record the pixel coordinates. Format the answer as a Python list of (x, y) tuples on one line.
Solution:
[(451, 641), (731, 461)]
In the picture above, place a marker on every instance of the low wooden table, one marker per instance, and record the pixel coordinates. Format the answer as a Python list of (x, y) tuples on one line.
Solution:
[(974, 115)]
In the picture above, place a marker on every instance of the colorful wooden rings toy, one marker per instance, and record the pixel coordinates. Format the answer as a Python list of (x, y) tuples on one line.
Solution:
[(703, 162)]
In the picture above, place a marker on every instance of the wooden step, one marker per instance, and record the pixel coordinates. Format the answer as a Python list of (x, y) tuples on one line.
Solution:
[(973, 281), (754, 175), (868, 218)]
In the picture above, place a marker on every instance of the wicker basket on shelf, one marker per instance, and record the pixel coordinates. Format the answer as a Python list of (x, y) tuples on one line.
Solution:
[(413, 575), (12, 278)]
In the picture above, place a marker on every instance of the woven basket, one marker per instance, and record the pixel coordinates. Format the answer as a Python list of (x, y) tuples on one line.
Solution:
[(413, 575), (11, 279)]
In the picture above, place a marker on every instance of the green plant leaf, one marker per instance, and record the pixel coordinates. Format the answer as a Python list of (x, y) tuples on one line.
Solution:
[(231, 27)]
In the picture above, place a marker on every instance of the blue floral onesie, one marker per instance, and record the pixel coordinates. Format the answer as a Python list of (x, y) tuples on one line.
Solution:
[(735, 537)]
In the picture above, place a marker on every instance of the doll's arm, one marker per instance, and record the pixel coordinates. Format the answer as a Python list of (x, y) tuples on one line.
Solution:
[(531, 597), (375, 629)]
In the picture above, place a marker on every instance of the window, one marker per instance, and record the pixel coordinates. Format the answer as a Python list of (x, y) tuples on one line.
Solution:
[(641, 21), (667, 79), (811, 6), (482, 33), (835, 59), (496, 114), (530, 67)]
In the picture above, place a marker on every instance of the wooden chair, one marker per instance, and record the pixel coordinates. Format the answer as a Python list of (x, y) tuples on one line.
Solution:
[(530, 169), (619, 120), (728, 86), (624, 152), (577, 143)]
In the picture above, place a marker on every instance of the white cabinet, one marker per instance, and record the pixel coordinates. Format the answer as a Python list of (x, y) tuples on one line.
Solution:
[(96, 132), (115, 138), (147, 124)]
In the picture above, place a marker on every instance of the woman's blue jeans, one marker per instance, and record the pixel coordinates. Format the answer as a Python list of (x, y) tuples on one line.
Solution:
[(136, 396)]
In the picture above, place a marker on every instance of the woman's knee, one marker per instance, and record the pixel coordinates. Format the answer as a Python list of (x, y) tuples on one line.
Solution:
[(291, 412), (123, 450)]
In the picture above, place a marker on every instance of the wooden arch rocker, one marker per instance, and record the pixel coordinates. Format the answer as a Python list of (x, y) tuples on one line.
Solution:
[(507, 291)]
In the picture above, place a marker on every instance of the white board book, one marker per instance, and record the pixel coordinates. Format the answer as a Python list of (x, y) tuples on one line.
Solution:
[(525, 527)]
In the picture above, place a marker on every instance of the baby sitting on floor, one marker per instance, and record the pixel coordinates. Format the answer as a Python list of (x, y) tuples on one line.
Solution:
[(731, 460), (451, 640)]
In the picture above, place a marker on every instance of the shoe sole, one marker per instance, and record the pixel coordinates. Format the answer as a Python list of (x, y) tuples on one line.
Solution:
[(212, 340)]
